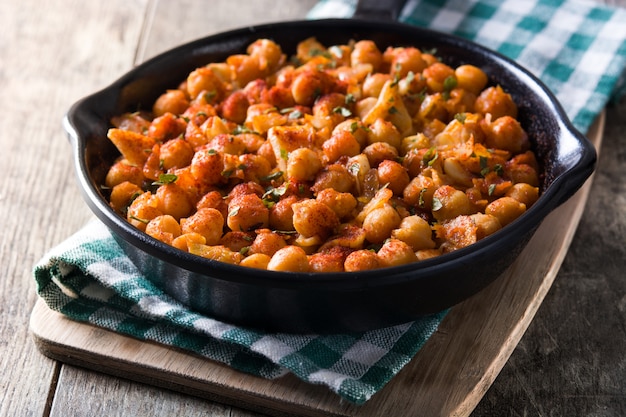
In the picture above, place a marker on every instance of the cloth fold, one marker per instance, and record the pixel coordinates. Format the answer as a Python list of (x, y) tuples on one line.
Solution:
[(88, 278), (577, 48)]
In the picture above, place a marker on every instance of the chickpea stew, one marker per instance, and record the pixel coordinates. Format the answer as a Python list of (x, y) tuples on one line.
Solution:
[(339, 158)]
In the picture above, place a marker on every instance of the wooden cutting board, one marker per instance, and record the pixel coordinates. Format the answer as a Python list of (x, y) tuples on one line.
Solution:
[(447, 377)]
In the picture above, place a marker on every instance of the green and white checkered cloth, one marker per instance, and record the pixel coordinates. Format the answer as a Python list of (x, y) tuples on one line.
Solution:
[(578, 49), (89, 279)]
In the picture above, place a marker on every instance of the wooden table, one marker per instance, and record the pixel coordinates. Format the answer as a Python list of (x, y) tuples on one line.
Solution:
[(571, 360)]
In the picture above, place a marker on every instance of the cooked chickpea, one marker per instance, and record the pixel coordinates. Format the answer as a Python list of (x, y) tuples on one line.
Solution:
[(366, 52), (471, 78), (247, 212), (143, 209), (415, 232), (448, 203), (176, 153), (312, 218), (304, 163), (173, 200), (122, 195), (204, 80), (495, 101), (340, 144), (172, 101), (206, 222), (395, 252), (524, 193), (379, 223), (505, 209), (393, 174), (362, 260), (164, 228), (290, 258), (267, 242), (343, 204), (506, 133), (384, 131), (378, 152), (256, 260), (122, 171)]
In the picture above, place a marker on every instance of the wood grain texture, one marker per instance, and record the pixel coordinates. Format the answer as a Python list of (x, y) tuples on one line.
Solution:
[(47, 61), (569, 362), (447, 377)]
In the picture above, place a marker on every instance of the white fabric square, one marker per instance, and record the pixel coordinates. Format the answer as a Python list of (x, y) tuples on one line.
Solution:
[(365, 353), (447, 20), (329, 378), (272, 348), (213, 327)]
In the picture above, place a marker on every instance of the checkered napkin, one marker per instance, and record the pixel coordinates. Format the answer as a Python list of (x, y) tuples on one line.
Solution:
[(89, 279), (578, 49)]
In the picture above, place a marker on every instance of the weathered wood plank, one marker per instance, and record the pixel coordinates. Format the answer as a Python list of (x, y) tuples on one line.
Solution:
[(47, 61)]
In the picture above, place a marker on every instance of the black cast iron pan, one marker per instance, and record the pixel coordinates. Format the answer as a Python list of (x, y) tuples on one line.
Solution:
[(337, 302)]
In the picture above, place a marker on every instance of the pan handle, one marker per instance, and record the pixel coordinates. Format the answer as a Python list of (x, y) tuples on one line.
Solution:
[(378, 9)]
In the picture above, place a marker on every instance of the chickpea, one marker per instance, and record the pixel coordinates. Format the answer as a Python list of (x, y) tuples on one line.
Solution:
[(505, 209), (496, 102), (183, 241), (237, 241), (122, 171), (524, 193), (355, 127), (336, 177), (438, 76), (281, 214), (175, 153), (449, 203), (143, 209), (415, 232), (204, 81), (470, 78), (366, 52), (207, 166), (173, 200), (164, 228), (172, 101), (235, 107), (340, 144), (379, 223), (343, 204), (306, 87), (486, 224), (384, 131), (290, 258), (373, 84), (312, 218), (330, 260), (122, 195), (395, 252), (362, 260), (378, 152), (303, 164), (420, 191), (256, 260), (407, 60), (393, 174), (206, 222), (247, 212), (267, 242), (506, 133)]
